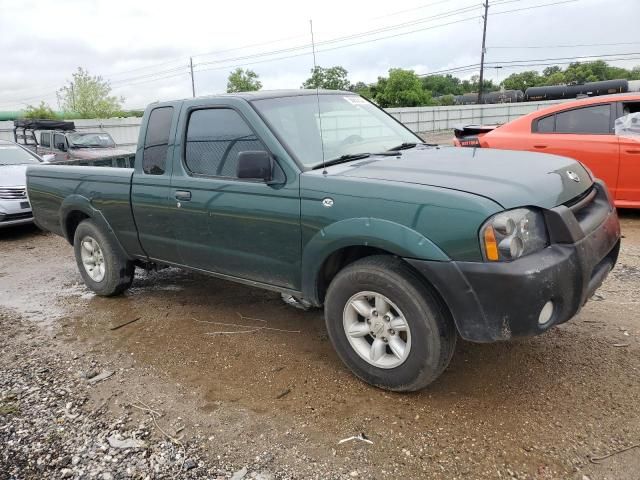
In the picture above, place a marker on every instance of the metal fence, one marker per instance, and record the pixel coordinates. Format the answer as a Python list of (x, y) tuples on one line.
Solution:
[(419, 119), (433, 119)]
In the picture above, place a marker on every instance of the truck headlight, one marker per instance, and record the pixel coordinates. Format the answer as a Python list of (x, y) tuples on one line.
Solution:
[(513, 234)]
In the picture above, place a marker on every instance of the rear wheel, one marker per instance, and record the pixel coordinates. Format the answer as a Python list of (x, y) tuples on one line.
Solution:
[(103, 268), (387, 326)]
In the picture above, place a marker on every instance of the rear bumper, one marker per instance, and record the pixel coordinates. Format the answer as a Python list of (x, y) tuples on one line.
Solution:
[(498, 301)]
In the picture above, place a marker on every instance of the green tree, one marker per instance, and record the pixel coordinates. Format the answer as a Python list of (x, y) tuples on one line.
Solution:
[(243, 81), (89, 97), (334, 78), (548, 71), (440, 85), (556, 78), (362, 89), (444, 100), (403, 88), (523, 80), (42, 111)]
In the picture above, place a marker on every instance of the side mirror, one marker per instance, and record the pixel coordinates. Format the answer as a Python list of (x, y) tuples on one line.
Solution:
[(256, 165), (61, 146), (50, 157)]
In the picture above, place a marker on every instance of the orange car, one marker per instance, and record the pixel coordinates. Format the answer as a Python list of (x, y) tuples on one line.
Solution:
[(582, 129)]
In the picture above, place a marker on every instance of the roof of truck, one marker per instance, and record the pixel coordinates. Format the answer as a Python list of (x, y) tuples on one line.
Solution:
[(264, 94)]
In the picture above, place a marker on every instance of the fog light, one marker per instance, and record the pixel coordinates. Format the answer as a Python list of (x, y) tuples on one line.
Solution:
[(546, 313)]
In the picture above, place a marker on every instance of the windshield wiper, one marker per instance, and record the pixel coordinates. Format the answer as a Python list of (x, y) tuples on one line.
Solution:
[(404, 146), (407, 145), (341, 159)]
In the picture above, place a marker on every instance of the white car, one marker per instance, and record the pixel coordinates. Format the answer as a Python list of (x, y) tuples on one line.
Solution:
[(14, 203)]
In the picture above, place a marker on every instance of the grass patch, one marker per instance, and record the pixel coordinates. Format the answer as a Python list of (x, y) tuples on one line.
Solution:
[(9, 409)]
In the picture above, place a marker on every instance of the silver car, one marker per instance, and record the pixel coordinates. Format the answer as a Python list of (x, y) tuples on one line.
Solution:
[(14, 203)]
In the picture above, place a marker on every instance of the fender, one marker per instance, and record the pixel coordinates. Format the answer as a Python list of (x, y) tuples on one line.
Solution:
[(82, 204), (372, 232)]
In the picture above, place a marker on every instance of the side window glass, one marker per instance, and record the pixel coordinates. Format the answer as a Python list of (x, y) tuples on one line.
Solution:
[(546, 124), (595, 119), (45, 139), (215, 137), (156, 141), (630, 107), (57, 140)]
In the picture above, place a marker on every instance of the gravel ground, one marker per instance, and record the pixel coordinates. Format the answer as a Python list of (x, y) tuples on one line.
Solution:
[(192, 402), (50, 429)]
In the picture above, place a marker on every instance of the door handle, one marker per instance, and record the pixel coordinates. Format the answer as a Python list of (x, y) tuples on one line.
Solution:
[(183, 195), (633, 151), (540, 146)]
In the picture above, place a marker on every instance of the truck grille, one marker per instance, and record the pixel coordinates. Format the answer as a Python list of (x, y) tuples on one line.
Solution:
[(13, 193), (590, 208)]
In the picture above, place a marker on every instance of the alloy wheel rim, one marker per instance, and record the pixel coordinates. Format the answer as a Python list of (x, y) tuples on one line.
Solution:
[(376, 329), (92, 258)]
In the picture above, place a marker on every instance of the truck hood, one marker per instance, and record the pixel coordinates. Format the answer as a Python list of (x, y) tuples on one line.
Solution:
[(13, 175), (510, 178)]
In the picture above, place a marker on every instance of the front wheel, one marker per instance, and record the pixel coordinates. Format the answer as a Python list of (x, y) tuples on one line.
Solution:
[(387, 326), (103, 268)]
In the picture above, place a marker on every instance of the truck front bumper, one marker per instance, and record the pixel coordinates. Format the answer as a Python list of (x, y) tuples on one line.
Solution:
[(498, 301)]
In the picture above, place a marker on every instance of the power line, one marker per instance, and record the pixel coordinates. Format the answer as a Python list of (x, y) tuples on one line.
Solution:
[(505, 62), (562, 46), (553, 4), (348, 37), (337, 47), (400, 12), (177, 71), (152, 76)]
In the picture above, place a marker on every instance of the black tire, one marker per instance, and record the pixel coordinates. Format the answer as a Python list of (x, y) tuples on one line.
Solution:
[(432, 330), (119, 271)]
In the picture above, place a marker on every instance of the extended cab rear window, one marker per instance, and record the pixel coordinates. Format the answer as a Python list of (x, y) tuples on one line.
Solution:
[(156, 142)]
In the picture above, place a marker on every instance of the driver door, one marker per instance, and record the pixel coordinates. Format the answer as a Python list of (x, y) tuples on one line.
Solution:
[(241, 228)]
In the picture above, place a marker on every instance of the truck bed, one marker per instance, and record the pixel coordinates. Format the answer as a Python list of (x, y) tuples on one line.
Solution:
[(55, 190)]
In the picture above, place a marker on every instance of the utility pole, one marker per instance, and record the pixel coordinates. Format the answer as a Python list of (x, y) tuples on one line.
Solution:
[(193, 82), (484, 38)]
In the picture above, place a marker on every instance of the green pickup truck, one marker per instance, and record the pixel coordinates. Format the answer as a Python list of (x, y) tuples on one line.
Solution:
[(327, 199)]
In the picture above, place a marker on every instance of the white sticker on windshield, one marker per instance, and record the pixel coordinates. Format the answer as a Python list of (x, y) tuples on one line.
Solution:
[(355, 100)]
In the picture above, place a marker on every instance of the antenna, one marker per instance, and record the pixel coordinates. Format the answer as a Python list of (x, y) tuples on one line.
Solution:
[(315, 68)]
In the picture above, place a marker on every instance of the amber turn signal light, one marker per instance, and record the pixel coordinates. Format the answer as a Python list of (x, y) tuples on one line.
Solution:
[(490, 244)]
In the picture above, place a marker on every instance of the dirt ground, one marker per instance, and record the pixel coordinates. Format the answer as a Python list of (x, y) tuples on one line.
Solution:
[(535, 408)]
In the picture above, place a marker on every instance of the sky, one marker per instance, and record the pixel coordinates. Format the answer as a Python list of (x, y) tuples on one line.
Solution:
[(142, 47)]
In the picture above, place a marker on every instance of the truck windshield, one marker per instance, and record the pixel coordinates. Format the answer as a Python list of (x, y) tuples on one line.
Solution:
[(85, 140), (350, 126), (15, 155)]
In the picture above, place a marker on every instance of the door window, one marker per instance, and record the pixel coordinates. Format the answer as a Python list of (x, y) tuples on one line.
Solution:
[(546, 124), (215, 137), (156, 142), (57, 140), (594, 119), (45, 139)]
